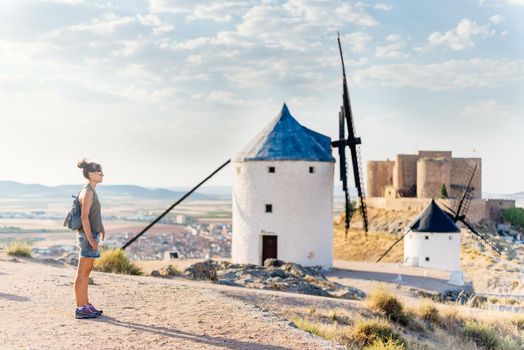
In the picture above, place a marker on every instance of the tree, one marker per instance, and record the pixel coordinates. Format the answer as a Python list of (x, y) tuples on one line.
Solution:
[(443, 191)]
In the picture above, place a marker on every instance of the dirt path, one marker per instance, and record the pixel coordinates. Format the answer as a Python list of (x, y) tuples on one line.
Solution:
[(37, 306)]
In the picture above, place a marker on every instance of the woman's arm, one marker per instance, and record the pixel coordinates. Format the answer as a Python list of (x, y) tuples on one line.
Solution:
[(87, 198)]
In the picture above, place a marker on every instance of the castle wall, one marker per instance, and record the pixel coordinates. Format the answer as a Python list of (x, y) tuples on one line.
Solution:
[(494, 208), (476, 212), (405, 173), (434, 154), (379, 175), (432, 173), (460, 177)]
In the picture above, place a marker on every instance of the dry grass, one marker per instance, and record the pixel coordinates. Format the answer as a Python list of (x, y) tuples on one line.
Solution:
[(382, 301), (389, 344), (369, 331), (483, 335), (18, 248), (333, 332), (428, 312), (115, 261)]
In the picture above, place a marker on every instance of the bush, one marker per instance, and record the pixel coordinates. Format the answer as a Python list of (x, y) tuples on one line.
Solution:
[(340, 334), (18, 248), (368, 332), (428, 312), (390, 344), (451, 320), (482, 335), (115, 261), (380, 300), (514, 216), (519, 323)]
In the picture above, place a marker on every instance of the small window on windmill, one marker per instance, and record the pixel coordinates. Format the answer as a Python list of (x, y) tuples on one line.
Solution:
[(450, 238), (427, 258), (269, 208), (311, 169), (239, 170), (426, 237), (271, 169)]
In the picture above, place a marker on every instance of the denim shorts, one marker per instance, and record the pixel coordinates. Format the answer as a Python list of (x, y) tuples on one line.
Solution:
[(86, 250)]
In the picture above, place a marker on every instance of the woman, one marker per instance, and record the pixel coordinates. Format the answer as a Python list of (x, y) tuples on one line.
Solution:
[(88, 237)]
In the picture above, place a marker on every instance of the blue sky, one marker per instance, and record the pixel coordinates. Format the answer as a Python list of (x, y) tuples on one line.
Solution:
[(162, 92)]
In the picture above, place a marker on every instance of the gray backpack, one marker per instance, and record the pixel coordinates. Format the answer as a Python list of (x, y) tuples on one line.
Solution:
[(73, 219)]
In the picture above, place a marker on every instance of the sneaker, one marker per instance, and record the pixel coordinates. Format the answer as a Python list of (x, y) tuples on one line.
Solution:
[(85, 312), (94, 309)]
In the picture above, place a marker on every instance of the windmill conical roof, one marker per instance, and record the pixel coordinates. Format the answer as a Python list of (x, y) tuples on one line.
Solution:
[(285, 139), (433, 219)]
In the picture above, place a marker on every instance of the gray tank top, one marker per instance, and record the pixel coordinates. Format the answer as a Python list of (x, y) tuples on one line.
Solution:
[(95, 213)]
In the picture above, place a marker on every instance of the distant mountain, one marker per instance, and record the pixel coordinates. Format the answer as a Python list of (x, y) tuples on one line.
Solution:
[(16, 189), (517, 196)]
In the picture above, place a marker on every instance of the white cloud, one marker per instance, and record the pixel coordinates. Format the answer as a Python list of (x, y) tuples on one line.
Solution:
[(219, 11), (383, 7), (394, 49), (106, 24), (357, 41), (446, 75), (393, 37), (461, 36), (496, 19), (226, 98), (512, 2), (489, 110)]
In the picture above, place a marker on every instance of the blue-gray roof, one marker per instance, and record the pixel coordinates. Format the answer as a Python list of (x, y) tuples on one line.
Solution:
[(433, 219), (285, 139)]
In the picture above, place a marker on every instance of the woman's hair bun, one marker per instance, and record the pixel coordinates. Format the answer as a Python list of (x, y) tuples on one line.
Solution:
[(82, 164)]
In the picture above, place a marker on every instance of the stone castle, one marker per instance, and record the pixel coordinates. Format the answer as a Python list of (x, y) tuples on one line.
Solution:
[(411, 180)]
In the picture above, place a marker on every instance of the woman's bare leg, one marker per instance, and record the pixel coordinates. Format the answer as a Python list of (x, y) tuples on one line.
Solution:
[(82, 280)]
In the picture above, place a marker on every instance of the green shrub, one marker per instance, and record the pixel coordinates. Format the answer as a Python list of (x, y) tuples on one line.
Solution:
[(389, 344), (443, 191), (380, 300), (482, 335), (369, 331), (514, 216), (115, 261), (18, 248)]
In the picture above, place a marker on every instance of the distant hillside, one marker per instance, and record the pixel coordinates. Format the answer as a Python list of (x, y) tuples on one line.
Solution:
[(16, 189)]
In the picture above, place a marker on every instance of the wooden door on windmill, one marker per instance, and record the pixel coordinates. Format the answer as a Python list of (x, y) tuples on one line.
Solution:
[(269, 248)]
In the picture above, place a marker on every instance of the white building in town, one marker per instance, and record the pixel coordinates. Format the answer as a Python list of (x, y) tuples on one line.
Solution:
[(434, 242), (283, 196)]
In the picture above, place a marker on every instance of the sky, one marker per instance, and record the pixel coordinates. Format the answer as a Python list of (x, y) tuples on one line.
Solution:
[(162, 92)]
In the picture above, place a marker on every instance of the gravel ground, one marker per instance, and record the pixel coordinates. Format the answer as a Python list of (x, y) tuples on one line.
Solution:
[(37, 307)]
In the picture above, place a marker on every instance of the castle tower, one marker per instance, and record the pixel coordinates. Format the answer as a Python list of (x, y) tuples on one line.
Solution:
[(283, 196), (434, 242)]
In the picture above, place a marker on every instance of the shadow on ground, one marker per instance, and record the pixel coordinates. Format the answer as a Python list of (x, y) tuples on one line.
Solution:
[(198, 338)]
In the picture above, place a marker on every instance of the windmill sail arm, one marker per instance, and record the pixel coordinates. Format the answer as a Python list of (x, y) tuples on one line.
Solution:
[(394, 244), (484, 239)]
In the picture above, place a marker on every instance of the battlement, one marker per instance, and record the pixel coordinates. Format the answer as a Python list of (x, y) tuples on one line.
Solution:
[(422, 175), (411, 180)]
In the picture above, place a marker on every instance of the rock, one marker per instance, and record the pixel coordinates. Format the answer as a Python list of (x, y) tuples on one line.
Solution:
[(227, 282), (91, 281), (155, 273), (273, 263), (201, 271), (169, 270), (278, 273), (476, 301), (70, 258)]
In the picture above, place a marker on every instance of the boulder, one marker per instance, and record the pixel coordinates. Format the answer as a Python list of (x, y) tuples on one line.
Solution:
[(169, 270), (201, 271), (273, 263), (155, 273)]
